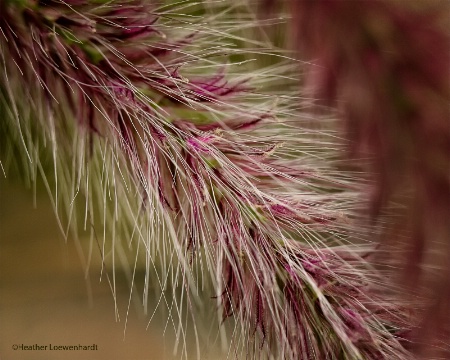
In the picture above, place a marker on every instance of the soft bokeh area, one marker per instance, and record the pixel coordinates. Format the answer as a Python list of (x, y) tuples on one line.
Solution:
[(45, 298)]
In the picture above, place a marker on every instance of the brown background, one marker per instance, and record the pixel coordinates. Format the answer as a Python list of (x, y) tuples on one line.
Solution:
[(44, 297)]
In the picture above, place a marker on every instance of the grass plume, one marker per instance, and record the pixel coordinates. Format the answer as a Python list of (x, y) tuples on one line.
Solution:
[(161, 129)]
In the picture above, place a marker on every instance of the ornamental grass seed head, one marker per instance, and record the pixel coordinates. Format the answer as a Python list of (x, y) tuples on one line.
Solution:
[(201, 165)]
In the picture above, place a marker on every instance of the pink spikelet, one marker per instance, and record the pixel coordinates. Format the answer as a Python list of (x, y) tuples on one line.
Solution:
[(197, 163)]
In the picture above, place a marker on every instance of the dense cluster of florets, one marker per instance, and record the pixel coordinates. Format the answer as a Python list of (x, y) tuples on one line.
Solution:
[(140, 102)]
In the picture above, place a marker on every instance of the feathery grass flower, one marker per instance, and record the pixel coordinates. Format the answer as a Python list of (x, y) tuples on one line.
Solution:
[(175, 143)]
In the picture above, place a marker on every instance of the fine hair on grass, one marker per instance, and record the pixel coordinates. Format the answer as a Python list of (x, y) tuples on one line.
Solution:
[(184, 146)]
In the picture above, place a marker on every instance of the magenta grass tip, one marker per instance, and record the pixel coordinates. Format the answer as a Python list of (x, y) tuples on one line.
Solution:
[(158, 123)]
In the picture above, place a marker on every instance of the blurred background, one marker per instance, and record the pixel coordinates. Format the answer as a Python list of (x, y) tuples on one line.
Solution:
[(45, 297)]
